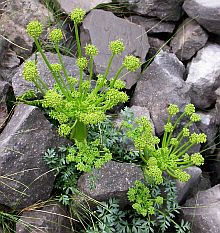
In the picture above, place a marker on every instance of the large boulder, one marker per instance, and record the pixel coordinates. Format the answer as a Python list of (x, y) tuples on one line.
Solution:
[(169, 10), (161, 84), (52, 218), (98, 30), (204, 76), (203, 211), (188, 40), (206, 13), (24, 175)]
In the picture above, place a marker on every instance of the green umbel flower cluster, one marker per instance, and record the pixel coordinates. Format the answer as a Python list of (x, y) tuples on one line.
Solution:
[(117, 47), (91, 50), (144, 203), (56, 35), (171, 156), (30, 71), (34, 29), (77, 15)]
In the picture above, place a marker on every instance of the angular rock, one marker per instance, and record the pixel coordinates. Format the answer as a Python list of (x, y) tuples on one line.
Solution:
[(169, 10), (52, 218), (24, 176), (153, 25), (203, 211), (206, 13), (188, 40), (160, 85), (6, 96), (185, 188), (111, 181), (204, 76), (13, 23), (68, 6), (133, 36), (20, 85)]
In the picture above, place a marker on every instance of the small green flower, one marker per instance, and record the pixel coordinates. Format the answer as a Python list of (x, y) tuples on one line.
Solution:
[(56, 67), (117, 46), (34, 29), (174, 141), (82, 62), (173, 109), (168, 127), (56, 35), (159, 200), (131, 62), (91, 50), (119, 84), (189, 109), (64, 130), (30, 71), (77, 15), (185, 132), (72, 80), (195, 117), (182, 176), (197, 159)]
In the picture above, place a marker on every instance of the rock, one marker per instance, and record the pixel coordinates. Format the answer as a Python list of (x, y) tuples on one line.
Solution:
[(204, 76), (185, 188), (153, 25), (208, 126), (133, 36), (160, 85), (20, 86), (188, 40), (52, 218), (217, 106), (203, 211), (169, 10), (206, 13), (6, 97), (25, 178), (69, 5), (13, 23), (111, 181)]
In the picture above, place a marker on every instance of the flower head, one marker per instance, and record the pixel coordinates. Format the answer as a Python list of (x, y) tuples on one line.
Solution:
[(77, 15), (56, 67), (34, 29), (197, 159), (131, 62), (56, 35), (117, 46), (173, 109), (195, 117), (91, 50), (82, 62), (30, 71), (189, 109)]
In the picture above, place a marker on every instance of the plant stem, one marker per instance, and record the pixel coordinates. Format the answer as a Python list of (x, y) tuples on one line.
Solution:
[(116, 76), (77, 40)]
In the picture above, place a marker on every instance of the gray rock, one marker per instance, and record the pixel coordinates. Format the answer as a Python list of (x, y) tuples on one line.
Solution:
[(13, 23), (185, 188), (206, 13), (68, 6), (6, 95), (111, 181), (217, 105), (52, 218), (25, 178), (188, 40), (204, 76), (20, 85), (169, 10), (203, 211), (153, 25), (133, 36), (160, 85)]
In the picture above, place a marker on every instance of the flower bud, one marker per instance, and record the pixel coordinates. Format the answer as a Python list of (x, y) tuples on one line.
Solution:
[(77, 15), (30, 71), (131, 62), (82, 62), (34, 29), (56, 35), (91, 50), (116, 46)]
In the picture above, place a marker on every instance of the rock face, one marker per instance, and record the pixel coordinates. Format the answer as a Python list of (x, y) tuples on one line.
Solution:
[(52, 218), (189, 39), (69, 5), (153, 25), (169, 10), (161, 84), (25, 177), (203, 211), (111, 181), (97, 30), (13, 23), (20, 85), (206, 13), (204, 76)]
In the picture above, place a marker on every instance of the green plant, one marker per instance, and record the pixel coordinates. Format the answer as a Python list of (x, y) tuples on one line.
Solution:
[(170, 154)]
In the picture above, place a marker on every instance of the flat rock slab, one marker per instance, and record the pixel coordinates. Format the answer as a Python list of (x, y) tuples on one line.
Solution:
[(24, 176), (98, 30), (203, 211), (69, 5), (20, 86), (204, 76), (111, 181), (206, 13), (188, 40), (169, 10), (161, 84), (52, 218)]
